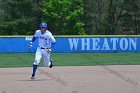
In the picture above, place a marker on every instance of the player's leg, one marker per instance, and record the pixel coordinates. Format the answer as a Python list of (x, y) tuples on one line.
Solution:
[(51, 63), (38, 57), (47, 61)]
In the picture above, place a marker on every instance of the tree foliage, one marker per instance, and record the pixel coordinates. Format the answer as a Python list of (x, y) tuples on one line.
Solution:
[(75, 17), (19, 17), (112, 16), (64, 16)]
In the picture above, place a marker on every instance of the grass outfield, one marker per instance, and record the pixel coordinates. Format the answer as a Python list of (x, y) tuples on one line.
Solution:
[(71, 59)]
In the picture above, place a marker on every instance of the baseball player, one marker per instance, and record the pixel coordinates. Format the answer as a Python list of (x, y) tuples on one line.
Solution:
[(46, 43)]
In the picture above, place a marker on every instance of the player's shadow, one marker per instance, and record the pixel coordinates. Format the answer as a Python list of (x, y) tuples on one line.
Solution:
[(35, 80)]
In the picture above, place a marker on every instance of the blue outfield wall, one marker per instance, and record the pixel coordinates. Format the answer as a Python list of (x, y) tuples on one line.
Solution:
[(75, 44)]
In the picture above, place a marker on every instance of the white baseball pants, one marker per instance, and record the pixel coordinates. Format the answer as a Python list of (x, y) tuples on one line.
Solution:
[(42, 53)]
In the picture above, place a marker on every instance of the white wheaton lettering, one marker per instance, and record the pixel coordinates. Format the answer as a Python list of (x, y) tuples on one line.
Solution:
[(133, 43), (73, 43), (96, 45), (85, 43), (123, 44), (114, 42), (103, 44)]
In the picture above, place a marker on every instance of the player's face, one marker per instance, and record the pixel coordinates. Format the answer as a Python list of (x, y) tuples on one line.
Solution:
[(43, 30)]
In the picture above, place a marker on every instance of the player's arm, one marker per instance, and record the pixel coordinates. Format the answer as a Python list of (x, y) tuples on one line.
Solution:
[(33, 39), (53, 41), (31, 43), (52, 45)]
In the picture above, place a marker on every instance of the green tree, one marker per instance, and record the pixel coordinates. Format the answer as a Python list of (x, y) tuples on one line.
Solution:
[(129, 20), (95, 13), (89, 16), (70, 16), (122, 17), (112, 16), (64, 16), (19, 17)]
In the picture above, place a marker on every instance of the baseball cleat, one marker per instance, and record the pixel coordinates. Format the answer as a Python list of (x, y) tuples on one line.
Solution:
[(32, 77), (51, 65)]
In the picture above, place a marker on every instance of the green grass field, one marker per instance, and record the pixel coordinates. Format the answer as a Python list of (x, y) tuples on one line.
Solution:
[(71, 59)]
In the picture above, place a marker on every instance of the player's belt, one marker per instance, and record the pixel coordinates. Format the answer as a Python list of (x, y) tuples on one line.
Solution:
[(43, 48)]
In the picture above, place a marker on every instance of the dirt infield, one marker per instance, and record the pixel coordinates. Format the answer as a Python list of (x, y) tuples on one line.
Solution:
[(81, 79)]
